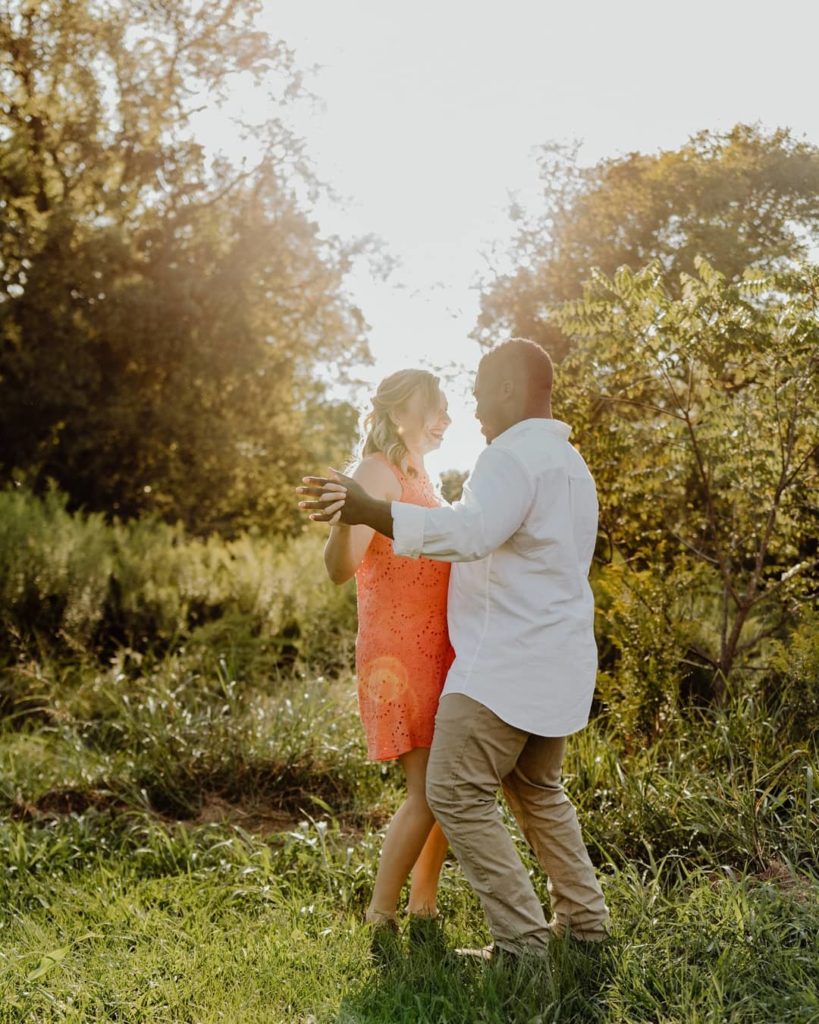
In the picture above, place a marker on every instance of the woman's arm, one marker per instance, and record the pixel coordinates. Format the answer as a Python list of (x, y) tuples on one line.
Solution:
[(347, 545)]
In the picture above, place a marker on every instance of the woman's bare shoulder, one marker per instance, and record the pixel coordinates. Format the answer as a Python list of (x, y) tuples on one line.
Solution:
[(376, 475)]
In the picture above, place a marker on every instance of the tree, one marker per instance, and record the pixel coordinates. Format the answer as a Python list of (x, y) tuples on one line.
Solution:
[(162, 317), (743, 198), (452, 484), (699, 415)]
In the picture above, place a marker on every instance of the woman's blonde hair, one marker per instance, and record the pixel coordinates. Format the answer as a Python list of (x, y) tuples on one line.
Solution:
[(380, 433)]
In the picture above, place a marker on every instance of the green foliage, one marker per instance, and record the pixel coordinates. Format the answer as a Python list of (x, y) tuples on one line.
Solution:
[(740, 198), (161, 316), (640, 618), (731, 786), (54, 569), (699, 416), (452, 484), (794, 680), (69, 581), (219, 941)]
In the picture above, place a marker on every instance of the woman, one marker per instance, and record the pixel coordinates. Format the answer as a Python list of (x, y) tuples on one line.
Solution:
[(402, 647)]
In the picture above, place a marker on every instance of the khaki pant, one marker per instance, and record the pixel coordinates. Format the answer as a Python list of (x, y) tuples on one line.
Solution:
[(473, 754)]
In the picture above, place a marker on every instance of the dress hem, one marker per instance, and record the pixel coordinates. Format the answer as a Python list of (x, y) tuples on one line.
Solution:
[(394, 757)]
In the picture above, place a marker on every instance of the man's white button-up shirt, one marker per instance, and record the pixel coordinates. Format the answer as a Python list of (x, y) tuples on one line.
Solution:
[(521, 611)]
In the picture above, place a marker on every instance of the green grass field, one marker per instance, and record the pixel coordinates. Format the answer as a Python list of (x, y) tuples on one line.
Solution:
[(178, 847)]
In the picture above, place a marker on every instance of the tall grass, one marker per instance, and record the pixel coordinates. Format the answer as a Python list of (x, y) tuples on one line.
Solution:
[(172, 739), (72, 584), (115, 910)]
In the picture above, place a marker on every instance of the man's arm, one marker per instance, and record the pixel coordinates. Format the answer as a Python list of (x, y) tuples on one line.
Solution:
[(495, 502)]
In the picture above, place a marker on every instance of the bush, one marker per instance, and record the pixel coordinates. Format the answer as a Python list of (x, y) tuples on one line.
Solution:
[(643, 640), (71, 583), (54, 568), (795, 678)]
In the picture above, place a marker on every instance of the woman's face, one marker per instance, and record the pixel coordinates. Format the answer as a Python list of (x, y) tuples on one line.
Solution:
[(422, 428)]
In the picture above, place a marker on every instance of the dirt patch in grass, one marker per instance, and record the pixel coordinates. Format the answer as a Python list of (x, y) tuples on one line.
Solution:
[(253, 816), (256, 815), (66, 800), (801, 886), (782, 876), (263, 820)]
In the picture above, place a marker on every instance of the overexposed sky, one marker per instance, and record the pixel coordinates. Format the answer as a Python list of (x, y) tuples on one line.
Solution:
[(430, 112)]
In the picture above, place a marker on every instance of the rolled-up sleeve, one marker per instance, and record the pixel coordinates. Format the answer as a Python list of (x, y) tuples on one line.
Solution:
[(495, 502), (408, 528)]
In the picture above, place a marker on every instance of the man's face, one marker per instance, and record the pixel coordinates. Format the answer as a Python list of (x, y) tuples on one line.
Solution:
[(486, 392)]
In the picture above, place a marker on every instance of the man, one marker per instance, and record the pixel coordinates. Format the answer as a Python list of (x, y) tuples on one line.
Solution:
[(521, 623)]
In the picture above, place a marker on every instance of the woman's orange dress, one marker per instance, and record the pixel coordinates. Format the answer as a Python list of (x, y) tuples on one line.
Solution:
[(402, 648)]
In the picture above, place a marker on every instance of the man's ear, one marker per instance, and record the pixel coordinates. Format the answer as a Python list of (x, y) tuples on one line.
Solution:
[(507, 388)]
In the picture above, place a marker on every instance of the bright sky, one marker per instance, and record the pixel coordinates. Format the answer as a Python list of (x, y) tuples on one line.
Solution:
[(430, 113)]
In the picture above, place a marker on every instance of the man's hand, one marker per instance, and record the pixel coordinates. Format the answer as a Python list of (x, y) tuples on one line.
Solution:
[(341, 499), (338, 499)]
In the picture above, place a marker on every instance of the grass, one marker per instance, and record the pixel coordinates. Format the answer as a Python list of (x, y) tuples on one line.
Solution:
[(216, 924), (182, 846)]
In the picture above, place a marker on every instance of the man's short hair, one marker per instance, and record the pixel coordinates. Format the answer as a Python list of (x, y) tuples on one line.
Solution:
[(520, 357)]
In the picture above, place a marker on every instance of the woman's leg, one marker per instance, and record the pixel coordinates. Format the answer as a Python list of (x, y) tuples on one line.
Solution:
[(425, 874), (405, 839)]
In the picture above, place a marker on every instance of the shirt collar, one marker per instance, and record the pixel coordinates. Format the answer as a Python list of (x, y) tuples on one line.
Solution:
[(551, 426)]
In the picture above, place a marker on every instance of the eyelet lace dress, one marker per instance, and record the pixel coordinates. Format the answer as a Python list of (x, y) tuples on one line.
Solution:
[(403, 651)]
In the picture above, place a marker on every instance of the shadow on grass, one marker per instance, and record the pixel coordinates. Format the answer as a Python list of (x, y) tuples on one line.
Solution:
[(439, 987)]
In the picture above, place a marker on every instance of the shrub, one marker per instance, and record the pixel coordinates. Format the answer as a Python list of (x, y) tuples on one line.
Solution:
[(642, 629), (71, 582), (795, 677)]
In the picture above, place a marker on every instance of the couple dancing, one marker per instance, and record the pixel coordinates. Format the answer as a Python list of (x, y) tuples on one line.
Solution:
[(475, 652)]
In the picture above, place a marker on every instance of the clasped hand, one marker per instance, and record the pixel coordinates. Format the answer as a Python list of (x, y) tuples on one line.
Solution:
[(337, 500)]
